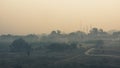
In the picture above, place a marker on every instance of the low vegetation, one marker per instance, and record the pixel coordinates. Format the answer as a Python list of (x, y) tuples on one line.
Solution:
[(59, 50)]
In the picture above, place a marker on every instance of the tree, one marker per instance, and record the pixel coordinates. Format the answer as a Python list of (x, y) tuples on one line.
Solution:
[(53, 32), (20, 45), (58, 32), (101, 30), (94, 31)]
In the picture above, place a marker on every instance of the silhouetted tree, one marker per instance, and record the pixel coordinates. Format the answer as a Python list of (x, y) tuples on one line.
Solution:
[(101, 31), (58, 32), (53, 32), (20, 45), (94, 31)]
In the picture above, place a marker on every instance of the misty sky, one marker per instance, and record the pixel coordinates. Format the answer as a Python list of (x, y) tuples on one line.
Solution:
[(43, 16)]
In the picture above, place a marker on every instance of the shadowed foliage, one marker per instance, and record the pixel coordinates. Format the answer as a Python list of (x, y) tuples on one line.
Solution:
[(20, 45)]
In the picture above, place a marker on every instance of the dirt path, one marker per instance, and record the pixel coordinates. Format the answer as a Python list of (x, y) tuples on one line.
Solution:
[(88, 54), (92, 49)]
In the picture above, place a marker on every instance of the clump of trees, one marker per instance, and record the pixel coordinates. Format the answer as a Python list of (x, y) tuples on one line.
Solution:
[(20, 45), (97, 32)]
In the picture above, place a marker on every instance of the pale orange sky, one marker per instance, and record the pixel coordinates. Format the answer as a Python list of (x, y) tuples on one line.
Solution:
[(43, 16)]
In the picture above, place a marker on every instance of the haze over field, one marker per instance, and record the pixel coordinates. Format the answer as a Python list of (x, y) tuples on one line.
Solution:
[(43, 16)]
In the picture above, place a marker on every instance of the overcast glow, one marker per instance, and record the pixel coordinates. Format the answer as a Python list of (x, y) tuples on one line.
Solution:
[(42, 16)]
